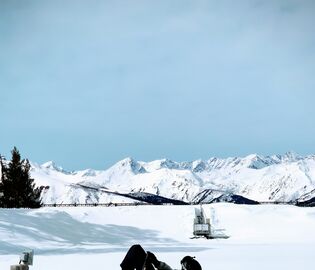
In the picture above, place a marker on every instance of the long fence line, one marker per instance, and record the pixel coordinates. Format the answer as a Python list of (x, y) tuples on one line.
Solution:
[(141, 203), (92, 204)]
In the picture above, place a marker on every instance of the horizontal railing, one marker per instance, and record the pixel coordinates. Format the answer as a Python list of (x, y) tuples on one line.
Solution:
[(141, 203), (91, 204)]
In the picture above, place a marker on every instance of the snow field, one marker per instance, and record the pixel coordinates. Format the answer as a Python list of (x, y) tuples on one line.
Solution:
[(261, 236)]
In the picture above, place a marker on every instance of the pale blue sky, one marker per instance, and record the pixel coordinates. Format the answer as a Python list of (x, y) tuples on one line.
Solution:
[(87, 83)]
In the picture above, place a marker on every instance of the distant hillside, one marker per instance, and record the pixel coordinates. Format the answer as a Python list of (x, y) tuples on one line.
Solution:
[(280, 178)]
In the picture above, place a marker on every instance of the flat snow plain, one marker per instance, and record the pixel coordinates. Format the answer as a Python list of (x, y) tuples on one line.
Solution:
[(82, 238)]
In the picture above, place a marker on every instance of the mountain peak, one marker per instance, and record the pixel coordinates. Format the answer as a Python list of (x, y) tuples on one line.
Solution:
[(130, 163), (198, 165), (126, 161), (169, 164), (291, 156), (49, 164), (52, 165)]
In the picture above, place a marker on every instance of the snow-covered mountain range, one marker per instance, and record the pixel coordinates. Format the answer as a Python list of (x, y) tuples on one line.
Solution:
[(279, 178)]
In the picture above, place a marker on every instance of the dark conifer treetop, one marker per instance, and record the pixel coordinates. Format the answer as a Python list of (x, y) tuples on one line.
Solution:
[(17, 188)]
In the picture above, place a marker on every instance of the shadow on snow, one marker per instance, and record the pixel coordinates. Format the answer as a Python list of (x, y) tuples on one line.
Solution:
[(60, 233)]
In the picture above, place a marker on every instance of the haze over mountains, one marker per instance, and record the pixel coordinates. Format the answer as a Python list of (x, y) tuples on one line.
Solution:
[(279, 178)]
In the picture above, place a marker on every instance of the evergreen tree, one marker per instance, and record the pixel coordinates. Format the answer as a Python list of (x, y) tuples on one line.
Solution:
[(17, 188)]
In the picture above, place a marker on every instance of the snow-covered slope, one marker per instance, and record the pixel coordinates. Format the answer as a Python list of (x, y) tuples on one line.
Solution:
[(273, 178)]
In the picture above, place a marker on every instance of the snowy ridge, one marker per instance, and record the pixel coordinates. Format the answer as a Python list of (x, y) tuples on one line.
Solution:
[(279, 178)]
